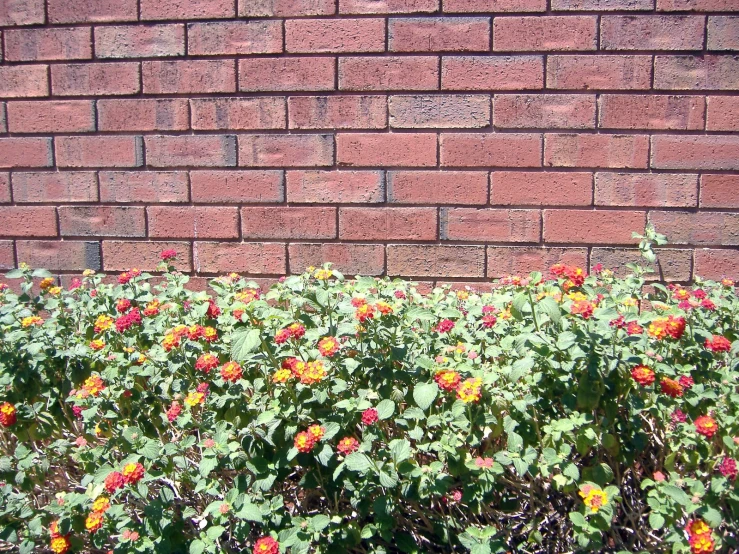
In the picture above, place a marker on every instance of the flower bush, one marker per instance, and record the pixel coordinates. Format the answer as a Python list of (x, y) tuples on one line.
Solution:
[(565, 412)]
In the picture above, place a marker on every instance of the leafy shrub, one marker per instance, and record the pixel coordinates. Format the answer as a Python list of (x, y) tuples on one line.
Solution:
[(327, 415)]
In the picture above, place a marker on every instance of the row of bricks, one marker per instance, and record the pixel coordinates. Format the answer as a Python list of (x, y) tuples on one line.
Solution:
[(439, 188), (377, 150), (29, 12), (414, 260), (503, 111), (488, 225)]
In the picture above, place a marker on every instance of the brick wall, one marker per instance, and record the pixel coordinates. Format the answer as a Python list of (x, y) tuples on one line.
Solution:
[(435, 139)]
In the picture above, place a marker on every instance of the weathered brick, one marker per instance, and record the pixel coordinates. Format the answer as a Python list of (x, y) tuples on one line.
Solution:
[(389, 73), (82, 11), (599, 72), (716, 264), (286, 150), (592, 227), (243, 257), (544, 33), (553, 111), (490, 225), (285, 8), (523, 260), (60, 255), (234, 37), (707, 228), (695, 152), (58, 186), (646, 189), (387, 6), (696, 5), (525, 188), (51, 116), (288, 223), (28, 221), (287, 74), (439, 111), (494, 6), (602, 5), (492, 73), (100, 151), (337, 112), (191, 150), (25, 152), (171, 114), (439, 34), (21, 12), (5, 188), (237, 186), (652, 32), (723, 32), (63, 43), (619, 111), (710, 72), (572, 150), (122, 255), (140, 41), (103, 221), (335, 35), (387, 223), (3, 118), (719, 191), (95, 79), (24, 81), (350, 259), (675, 264), (387, 150), (431, 260), (189, 76), (238, 113), (722, 113), (340, 187), (144, 186), (187, 9), (7, 254), (437, 187), (193, 222), (490, 149)]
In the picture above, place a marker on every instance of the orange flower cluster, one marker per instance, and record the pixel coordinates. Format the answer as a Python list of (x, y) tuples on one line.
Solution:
[(643, 375), (328, 346), (699, 537), (8, 415), (347, 445), (574, 276), (131, 474), (706, 426), (95, 519), (92, 386), (306, 440), (152, 308), (266, 545), (195, 398), (364, 312), (470, 390), (31, 321), (207, 362), (671, 387), (593, 497), (384, 308), (308, 373), (583, 308), (103, 323), (231, 372), (447, 379), (59, 544), (669, 326)]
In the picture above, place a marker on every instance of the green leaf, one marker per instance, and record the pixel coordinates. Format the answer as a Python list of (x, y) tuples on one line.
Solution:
[(358, 461), (265, 417), (578, 519), (388, 480), (566, 340), (571, 471), (214, 532), (243, 342), (320, 522), (515, 442), (150, 450), (207, 465), (550, 307), (656, 521), (250, 512), (424, 394), (385, 409), (711, 515), (197, 547), (400, 450), (677, 494)]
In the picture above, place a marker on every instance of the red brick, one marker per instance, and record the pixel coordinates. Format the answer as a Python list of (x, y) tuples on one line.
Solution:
[(238, 186), (709, 72), (695, 152), (337, 112), (646, 189), (439, 34), (243, 257), (288, 223), (525, 188), (719, 191), (532, 33), (287, 74), (140, 41), (387, 223), (432, 260), (389, 73), (619, 111), (7, 254), (189, 76), (286, 150), (122, 255), (717, 264), (592, 227), (58, 186), (523, 260), (238, 113), (24, 81), (105, 221), (714, 228), (95, 79), (387, 150), (599, 72), (51, 116), (437, 187), (27, 221), (350, 259), (84, 11), (335, 187), (64, 43), (234, 37), (21, 12), (187, 9), (492, 73), (193, 222), (3, 121), (25, 152), (696, 5), (603, 5), (571, 150), (553, 111), (439, 111), (723, 32), (722, 113), (189, 150), (490, 149), (4, 188), (285, 8), (675, 264), (652, 32), (494, 6), (171, 114), (145, 186), (490, 225), (335, 35), (98, 151), (60, 255), (388, 6)]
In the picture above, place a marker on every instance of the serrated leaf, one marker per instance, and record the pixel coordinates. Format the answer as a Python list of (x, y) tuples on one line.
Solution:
[(207, 465), (385, 409), (250, 512), (320, 522), (388, 480), (571, 471), (578, 519), (656, 521), (243, 343), (677, 494), (357, 461), (400, 450), (214, 532), (424, 394), (265, 417), (150, 450), (550, 307)]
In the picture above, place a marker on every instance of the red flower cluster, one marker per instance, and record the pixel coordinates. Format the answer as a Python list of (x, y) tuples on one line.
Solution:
[(583, 308), (347, 445), (364, 311), (575, 275), (213, 310), (718, 343), (669, 326), (671, 387), (266, 545), (706, 426), (125, 322), (444, 326), (293, 331), (167, 255), (8, 415), (174, 411), (231, 372), (447, 379), (306, 440), (728, 469), (699, 537), (328, 346), (369, 416), (206, 362), (123, 305), (643, 375)]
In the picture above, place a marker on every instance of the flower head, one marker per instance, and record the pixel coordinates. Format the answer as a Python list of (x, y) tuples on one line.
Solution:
[(444, 326), (101, 504), (702, 544), (364, 312), (369, 416), (728, 468), (328, 346), (282, 375), (593, 497), (206, 362), (231, 372), (60, 545), (314, 372), (447, 379), (485, 463), (718, 343), (583, 308), (304, 442), (347, 445), (133, 473), (671, 387), (266, 545), (174, 411), (706, 426), (94, 521), (316, 431), (195, 398), (31, 321), (643, 375), (8, 414), (167, 255), (470, 390), (114, 481)]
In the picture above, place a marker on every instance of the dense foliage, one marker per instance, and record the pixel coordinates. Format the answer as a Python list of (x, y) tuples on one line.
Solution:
[(558, 413)]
